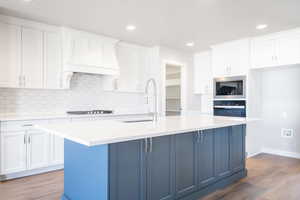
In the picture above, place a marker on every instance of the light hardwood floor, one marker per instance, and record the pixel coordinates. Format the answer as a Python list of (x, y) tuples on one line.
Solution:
[(269, 178)]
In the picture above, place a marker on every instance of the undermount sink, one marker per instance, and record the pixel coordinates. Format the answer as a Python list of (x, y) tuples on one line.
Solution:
[(137, 121)]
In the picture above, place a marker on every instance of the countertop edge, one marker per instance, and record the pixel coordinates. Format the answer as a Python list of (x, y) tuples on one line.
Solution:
[(130, 138)]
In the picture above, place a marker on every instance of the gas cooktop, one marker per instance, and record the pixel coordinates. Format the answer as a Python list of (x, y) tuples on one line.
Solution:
[(89, 112)]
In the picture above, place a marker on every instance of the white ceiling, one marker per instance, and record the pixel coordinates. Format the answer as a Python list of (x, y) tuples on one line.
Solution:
[(171, 23)]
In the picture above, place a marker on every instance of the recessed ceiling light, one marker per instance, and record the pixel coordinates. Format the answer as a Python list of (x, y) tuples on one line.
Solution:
[(190, 44), (27, 1), (261, 26), (130, 27)]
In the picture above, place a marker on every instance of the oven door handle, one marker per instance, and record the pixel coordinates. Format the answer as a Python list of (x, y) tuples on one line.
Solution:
[(230, 107)]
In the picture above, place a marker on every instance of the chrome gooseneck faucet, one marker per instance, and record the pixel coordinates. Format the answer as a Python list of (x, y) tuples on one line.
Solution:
[(155, 111)]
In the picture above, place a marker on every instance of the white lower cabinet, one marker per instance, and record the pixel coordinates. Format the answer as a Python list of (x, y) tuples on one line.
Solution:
[(29, 149), (37, 149), (56, 150), (13, 152)]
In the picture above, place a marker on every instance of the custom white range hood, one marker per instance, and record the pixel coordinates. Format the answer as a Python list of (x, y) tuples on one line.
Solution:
[(89, 53)]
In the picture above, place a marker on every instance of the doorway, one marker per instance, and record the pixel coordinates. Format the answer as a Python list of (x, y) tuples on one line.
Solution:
[(173, 77)]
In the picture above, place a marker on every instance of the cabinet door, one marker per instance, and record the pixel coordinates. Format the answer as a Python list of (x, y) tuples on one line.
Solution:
[(10, 56), (13, 152), (206, 159), (264, 53), (239, 57), (237, 148), (222, 166), (220, 61), (37, 149), (32, 58), (127, 170), (203, 73), (161, 169), (56, 150), (52, 61), (289, 50), (186, 164)]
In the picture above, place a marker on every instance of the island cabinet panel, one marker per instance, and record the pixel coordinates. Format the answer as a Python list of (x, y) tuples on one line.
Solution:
[(161, 168), (185, 163), (222, 152), (85, 172), (237, 148), (184, 166), (206, 159), (127, 170)]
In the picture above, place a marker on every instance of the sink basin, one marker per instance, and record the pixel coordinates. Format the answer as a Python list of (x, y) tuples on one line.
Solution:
[(137, 121)]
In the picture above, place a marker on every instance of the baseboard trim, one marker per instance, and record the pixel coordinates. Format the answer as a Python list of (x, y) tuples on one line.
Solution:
[(6, 177), (281, 153), (253, 154)]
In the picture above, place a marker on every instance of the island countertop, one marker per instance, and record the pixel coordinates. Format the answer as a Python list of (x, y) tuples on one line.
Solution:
[(109, 131)]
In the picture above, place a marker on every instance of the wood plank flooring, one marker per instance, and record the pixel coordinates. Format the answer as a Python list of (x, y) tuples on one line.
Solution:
[(269, 178)]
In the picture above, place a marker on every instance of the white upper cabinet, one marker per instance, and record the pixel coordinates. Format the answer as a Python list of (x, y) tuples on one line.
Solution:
[(133, 63), (289, 50), (52, 60), (32, 58), (89, 53), (10, 55), (30, 54), (263, 52), (231, 58), (203, 73), (276, 50)]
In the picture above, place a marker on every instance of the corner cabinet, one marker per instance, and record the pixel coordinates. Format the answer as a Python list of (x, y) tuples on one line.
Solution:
[(175, 167), (10, 55), (30, 55), (25, 150), (276, 50)]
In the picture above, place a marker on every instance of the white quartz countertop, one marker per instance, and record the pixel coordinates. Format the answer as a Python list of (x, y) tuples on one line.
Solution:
[(62, 115), (109, 131)]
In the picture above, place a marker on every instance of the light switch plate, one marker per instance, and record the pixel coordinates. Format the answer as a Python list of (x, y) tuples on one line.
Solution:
[(287, 133)]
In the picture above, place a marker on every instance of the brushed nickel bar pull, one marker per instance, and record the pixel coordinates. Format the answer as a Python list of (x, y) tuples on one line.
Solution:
[(146, 145), (198, 136), (151, 145)]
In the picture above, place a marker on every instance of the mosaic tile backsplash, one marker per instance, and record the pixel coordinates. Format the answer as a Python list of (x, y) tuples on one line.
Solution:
[(86, 93)]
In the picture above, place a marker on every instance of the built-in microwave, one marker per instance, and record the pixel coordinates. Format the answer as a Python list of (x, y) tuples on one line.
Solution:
[(230, 87)]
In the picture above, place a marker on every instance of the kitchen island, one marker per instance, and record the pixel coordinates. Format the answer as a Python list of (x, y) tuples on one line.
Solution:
[(181, 158)]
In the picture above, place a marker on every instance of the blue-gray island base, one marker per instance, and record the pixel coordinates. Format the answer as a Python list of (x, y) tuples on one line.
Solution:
[(183, 166)]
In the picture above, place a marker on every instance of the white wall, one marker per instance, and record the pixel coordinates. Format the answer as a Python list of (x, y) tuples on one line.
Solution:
[(86, 93), (193, 102), (281, 109)]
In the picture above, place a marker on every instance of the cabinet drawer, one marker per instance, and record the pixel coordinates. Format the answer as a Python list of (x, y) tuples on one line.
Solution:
[(20, 125)]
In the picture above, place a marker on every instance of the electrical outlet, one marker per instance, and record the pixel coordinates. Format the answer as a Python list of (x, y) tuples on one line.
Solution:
[(287, 133)]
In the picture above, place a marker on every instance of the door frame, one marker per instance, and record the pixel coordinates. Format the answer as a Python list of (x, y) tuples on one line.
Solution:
[(183, 85)]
